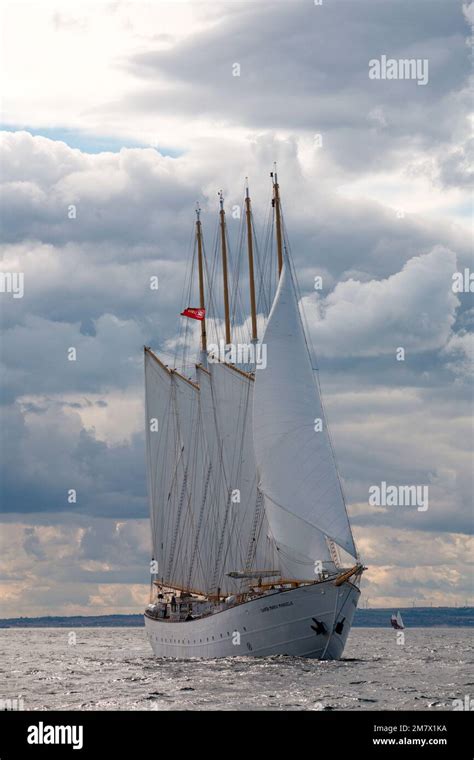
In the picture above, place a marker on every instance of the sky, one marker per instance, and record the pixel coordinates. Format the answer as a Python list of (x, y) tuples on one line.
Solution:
[(131, 111)]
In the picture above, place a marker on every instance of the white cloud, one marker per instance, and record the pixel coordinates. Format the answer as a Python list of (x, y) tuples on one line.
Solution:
[(147, 73), (414, 309), (74, 567), (394, 557)]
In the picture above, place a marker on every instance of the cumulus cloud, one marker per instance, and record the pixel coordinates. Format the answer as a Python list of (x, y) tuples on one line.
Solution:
[(435, 561), (74, 566), (88, 230), (383, 434), (414, 309), (50, 452)]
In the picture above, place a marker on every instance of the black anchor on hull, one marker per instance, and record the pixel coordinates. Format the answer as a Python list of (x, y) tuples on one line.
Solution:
[(339, 627), (318, 627)]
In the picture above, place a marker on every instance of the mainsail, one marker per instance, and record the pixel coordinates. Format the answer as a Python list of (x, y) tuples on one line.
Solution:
[(304, 502)]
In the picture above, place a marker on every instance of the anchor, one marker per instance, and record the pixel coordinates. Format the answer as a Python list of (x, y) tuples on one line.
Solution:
[(318, 627)]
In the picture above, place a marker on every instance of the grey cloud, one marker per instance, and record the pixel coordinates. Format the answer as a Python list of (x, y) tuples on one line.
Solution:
[(305, 67), (386, 283), (46, 455), (414, 309)]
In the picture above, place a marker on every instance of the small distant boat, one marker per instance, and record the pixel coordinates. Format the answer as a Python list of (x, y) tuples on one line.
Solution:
[(397, 622)]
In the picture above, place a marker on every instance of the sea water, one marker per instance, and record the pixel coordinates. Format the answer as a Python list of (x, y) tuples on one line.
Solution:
[(114, 669)]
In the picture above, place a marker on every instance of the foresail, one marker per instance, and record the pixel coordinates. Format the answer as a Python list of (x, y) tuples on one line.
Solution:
[(295, 462)]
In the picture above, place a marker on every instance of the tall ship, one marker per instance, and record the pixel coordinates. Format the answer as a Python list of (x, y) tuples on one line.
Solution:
[(253, 553)]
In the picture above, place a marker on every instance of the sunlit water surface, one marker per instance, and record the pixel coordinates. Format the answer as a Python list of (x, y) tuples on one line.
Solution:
[(114, 668)]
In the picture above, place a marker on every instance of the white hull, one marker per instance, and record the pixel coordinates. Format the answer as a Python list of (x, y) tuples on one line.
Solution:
[(279, 623)]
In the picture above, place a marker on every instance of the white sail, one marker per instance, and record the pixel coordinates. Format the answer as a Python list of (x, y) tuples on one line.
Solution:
[(303, 496), (241, 531), (178, 470), (217, 479), (160, 449), (185, 564), (243, 486)]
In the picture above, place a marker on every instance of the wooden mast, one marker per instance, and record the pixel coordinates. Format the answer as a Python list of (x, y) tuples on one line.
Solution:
[(201, 278), (276, 203), (253, 306), (224, 270)]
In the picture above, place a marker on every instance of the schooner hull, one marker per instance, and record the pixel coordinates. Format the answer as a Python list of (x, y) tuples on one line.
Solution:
[(284, 622)]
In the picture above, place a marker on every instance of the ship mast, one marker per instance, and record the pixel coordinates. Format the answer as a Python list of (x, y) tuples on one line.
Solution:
[(276, 204), (253, 308), (224, 270), (201, 278)]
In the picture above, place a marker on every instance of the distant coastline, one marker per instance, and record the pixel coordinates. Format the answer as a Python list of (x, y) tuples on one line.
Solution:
[(413, 617)]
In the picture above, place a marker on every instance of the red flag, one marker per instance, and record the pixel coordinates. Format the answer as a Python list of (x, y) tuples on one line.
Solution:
[(193, 313)]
